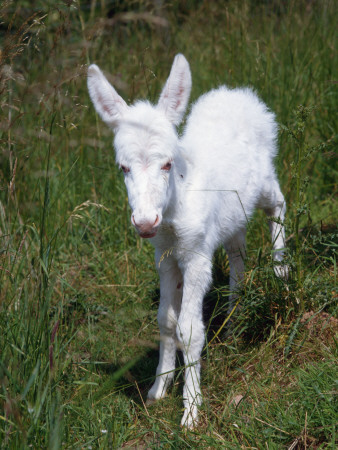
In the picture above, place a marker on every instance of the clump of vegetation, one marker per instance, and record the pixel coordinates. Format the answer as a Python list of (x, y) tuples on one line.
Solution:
[(78, 290)]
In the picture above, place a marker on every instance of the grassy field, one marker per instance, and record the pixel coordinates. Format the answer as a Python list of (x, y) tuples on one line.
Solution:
[(78, 289)]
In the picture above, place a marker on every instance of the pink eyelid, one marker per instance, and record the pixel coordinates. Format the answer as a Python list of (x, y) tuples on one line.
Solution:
[(167, 166), (124, 169)]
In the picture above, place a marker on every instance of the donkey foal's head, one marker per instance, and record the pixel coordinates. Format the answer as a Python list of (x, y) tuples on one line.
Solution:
[(145, 141)]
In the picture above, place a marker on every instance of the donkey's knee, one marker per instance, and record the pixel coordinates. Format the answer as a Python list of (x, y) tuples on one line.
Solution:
[(272, 201), (190, 335), (167, 318)]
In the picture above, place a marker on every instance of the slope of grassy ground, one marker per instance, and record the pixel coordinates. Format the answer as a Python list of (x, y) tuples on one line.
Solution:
[(79, 291)]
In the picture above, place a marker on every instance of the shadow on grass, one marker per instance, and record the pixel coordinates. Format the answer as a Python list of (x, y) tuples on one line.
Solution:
[(133, 378)]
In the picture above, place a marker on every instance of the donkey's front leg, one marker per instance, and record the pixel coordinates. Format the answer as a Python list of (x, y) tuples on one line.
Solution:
[(171, 294), (190, 333)]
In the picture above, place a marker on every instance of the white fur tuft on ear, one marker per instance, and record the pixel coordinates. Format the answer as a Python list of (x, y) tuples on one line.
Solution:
[(175, 94), (107, 102)]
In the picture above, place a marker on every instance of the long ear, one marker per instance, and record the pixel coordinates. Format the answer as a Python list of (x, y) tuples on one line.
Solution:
[(106, 100), (175, 94)]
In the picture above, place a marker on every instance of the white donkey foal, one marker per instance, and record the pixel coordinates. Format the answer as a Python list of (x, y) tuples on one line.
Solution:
[(190, 194)]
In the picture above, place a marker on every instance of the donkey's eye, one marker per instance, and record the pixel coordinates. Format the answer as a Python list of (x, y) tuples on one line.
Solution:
[(124, 169), (167, 166)]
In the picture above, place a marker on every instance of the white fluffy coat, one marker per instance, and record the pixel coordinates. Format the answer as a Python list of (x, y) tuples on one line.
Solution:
[(191, 194)]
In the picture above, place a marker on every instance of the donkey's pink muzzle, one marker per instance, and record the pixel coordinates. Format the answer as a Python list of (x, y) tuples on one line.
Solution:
[(145, 228)]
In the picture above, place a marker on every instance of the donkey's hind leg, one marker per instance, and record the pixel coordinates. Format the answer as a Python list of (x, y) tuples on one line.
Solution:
[(236, 250), (273, 203)]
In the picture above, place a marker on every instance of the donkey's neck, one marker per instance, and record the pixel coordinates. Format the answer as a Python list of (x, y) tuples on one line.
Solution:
[(178, 181)]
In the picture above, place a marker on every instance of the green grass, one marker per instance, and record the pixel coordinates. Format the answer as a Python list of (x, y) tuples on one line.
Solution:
[(79, 291)]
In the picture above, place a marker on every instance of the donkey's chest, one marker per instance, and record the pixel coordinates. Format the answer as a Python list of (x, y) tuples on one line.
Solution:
[(167, 237), (177, 240)]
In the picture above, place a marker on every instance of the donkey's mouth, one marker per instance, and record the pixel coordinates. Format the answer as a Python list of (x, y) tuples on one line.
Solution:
[(148, 235)]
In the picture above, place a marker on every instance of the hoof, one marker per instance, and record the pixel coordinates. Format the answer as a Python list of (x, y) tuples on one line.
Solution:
[(150, 401), (189, 420), (282, 271)]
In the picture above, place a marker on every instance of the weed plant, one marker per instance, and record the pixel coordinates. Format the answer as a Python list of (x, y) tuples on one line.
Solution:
[(78, 289)]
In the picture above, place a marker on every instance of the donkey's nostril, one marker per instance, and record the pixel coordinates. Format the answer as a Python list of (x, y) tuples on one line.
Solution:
[(156, 221), (145, 223)]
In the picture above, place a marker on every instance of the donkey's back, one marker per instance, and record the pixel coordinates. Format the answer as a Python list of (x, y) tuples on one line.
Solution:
[(230, 142), (228, 124)]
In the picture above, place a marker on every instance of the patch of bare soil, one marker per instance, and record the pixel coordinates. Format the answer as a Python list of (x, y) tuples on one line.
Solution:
[(316, 340), (320, 325)]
